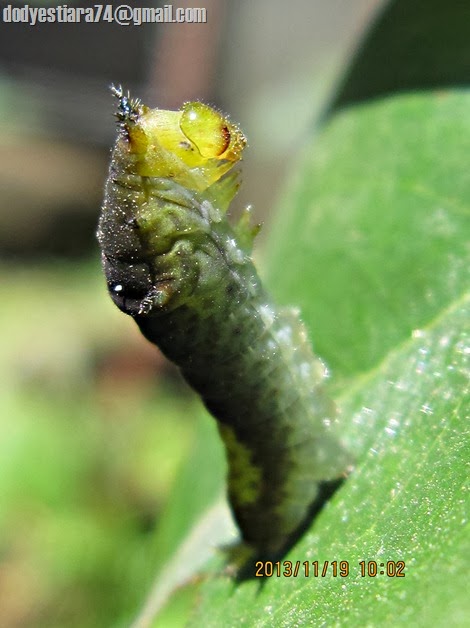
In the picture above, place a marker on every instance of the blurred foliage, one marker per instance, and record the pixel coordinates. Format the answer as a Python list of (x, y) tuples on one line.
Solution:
[(85, 408), (415, 44)]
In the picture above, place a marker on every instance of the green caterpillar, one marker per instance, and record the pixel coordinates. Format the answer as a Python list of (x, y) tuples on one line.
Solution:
[(173, 262)]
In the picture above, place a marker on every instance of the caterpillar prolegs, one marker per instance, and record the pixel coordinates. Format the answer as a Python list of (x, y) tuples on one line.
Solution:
[(174, 263)]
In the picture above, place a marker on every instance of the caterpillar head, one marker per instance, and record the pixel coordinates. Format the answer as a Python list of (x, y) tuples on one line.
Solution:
[(195, 146)]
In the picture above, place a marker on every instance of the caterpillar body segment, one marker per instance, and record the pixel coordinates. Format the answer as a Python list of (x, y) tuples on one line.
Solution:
[(175, 264)]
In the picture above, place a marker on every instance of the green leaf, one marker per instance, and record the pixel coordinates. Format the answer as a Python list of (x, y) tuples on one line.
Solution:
[(372, 243), (407, 501), (375, 227), (193, 492)]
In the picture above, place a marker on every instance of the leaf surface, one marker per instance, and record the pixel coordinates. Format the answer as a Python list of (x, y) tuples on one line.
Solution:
[(372, 243)]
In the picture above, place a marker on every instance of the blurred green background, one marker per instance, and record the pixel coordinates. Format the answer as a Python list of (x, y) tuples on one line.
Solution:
[(95, 426)]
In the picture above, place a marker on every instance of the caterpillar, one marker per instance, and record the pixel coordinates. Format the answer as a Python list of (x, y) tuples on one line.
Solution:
[(174, 263)]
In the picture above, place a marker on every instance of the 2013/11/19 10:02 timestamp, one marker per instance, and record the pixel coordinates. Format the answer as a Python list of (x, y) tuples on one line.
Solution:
[(334, 568)]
